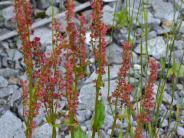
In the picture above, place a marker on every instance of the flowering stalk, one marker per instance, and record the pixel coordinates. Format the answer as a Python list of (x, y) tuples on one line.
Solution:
[(98, 31), (147, 103), (41, 87), (75, 61), (23, 17), (123, 90)]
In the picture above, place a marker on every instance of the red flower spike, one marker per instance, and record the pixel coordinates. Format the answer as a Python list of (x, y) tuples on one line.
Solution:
[(98, 32), (124, 89), (148, 99)]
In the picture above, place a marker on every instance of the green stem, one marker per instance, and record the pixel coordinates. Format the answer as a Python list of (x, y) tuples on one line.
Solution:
[(96, 105), (53, 132), (115, 118)]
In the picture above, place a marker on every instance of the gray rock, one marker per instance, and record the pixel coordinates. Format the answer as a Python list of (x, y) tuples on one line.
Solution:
[(81, 116), (40, 117), (179, 3), (177, 55), (7, 90), (87, 94), (168, 99), (8, 13), (179, 44), (88, 124), (164, 10), (44, 131), (7, 72), (3, 82), (45, 36), (165, 123), (113, 74), (14, 54), (140, 19), (182, 28), (4, 44), (121, 36), (152, 35), (133, 4), (114, 54), (180, 131), (42, 4), (108, 122), (48, 12), (11, 126), (108, 15), (15, 96), (156, 47)]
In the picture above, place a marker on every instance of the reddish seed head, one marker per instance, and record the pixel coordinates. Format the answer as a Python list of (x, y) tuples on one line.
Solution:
[(124, 89)]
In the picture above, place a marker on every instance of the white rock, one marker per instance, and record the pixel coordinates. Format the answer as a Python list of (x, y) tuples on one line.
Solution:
[(11, 126)]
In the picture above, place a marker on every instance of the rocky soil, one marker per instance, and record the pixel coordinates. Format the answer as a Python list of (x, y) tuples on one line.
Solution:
[(160, 17)]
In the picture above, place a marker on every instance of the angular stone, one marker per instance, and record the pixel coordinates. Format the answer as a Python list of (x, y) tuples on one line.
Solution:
[(11, 126), (3, 82), (7, 90), (114, 54), (108, 15), (180, 131), (88, 94), (45, 36), (42, 4), (156, 47), (7, 72), (44, 131), (14, 54), (164, 10), (113, 74), (49, 10), (8, 13)]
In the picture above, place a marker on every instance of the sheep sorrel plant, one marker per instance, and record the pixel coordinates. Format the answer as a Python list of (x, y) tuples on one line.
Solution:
[(58, 76)]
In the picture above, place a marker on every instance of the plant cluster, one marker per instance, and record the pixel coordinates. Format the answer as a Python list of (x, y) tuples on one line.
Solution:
[(47, 84)]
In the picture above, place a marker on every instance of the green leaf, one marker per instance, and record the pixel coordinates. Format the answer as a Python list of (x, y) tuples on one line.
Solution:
[(176, 69), (163, 61), (69, 123), (120, 134), (122, 18), (56, 125), (100, 115), (79, 133)]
